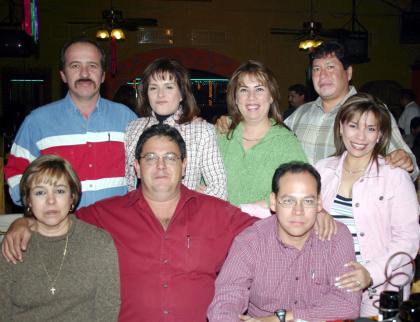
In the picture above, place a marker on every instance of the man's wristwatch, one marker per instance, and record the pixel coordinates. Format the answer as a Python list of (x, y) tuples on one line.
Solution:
[(281, 314)]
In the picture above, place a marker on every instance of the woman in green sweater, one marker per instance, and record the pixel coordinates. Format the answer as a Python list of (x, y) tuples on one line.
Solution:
[(70, 272), (257, 141)]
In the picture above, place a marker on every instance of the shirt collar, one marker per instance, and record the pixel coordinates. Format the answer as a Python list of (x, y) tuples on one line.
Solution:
[(137, 196), (336, 164), (173, 119), (69, 103), (318, 101), (308, 243)]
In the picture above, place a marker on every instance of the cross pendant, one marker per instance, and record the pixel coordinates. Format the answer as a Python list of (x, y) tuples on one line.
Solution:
[(52, 290)]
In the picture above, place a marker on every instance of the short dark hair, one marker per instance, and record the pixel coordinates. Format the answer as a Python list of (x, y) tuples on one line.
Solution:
[(48, 168), (174, 69), (161, 130), (299, 89), (407, 94), (82, 40), (331, 47), (415, 122), (294, 167)]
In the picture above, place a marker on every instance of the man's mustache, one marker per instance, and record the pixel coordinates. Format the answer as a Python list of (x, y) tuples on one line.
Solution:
[(81, 80)]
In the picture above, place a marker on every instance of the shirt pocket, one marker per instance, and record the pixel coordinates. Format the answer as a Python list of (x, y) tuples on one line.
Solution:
[(203, 254), (319, 287)]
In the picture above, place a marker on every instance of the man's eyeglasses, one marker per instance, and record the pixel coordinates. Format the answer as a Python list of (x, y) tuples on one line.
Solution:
[(289, 202), (169, 158)]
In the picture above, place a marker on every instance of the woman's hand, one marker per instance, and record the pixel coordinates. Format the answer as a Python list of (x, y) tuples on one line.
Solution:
[(222, 124), (356, 280), (325, 226), (16, 239), (201, 188)]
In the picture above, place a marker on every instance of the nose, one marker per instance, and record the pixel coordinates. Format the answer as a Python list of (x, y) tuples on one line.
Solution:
[(322, 73), (160, 164), (160, 92), (361, 134), (51, 198), (298, 208), (251, 94), (84, 71)]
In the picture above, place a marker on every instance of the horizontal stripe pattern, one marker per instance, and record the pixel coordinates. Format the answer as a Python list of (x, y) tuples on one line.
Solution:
[(93, 146), (19, 151), (104, 183), (79, 139), (342, 211)]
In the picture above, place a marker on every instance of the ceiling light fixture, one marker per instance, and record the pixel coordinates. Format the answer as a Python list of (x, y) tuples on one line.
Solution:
[(116, 33), (102, 34), (309, 44)]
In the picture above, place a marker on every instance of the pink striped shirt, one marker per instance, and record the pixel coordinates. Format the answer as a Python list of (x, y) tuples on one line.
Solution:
[(261, 275)]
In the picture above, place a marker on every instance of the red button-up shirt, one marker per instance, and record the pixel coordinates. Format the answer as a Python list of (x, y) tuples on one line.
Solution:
[(168, 275)]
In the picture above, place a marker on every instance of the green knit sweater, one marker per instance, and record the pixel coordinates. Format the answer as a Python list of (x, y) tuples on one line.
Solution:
[(249, 173), (87, 288)]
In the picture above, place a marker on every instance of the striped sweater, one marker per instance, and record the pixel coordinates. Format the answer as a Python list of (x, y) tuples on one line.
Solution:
[(94, 147)]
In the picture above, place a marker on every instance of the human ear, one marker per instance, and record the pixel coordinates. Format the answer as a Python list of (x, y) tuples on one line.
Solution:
[(273, 199), (137, 168)]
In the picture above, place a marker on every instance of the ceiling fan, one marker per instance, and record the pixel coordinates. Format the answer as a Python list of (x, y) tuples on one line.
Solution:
[(112, 18), (312, 30)]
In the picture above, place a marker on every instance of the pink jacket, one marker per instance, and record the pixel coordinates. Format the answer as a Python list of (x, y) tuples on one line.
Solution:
[(385, 210)]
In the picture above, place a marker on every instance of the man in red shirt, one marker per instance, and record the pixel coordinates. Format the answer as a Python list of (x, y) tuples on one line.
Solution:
[(171, 241)]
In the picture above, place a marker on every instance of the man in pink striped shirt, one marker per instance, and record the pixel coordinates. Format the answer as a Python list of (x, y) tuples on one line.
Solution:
[(278, 270)]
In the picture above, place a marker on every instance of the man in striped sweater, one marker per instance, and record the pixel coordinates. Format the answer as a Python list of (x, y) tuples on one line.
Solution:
[(84, 128)]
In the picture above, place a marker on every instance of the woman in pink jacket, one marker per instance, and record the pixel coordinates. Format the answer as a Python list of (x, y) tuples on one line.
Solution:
[(377, 203)]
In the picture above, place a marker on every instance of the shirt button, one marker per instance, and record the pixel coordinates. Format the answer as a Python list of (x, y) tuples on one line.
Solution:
[(90, 165), (166, 312), (296, 302), (165, 285), (165, 261), (362, 234), (357, 204), (297, 278), (91, 186), (381, 198), (89, 145)]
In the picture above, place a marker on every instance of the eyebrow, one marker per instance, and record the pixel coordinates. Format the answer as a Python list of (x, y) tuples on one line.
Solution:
[(258, 85)]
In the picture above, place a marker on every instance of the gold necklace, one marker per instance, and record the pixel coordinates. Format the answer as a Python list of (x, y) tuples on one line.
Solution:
[(251, 140), (51, 280), (353, 171)]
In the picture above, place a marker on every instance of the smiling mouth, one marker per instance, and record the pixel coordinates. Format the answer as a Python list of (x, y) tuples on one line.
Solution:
[(252, 107), (358, 146)]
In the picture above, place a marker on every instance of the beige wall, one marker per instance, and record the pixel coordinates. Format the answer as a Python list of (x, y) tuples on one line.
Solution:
[(246, 23)]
